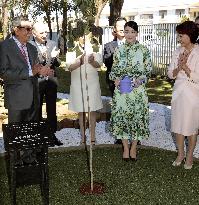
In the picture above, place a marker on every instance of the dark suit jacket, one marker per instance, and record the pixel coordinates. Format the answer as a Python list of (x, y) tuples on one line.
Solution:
[(18, 86), (109, 49)]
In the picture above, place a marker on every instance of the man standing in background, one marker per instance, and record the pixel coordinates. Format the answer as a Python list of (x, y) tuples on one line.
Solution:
[(48, 55), (110, 47)]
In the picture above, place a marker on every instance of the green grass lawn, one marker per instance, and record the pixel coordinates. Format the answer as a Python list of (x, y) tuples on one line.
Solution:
[(150, 181), (159, 89)]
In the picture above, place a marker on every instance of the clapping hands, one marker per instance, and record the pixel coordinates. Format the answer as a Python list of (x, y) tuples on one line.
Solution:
[(182, 62), (42, 70)]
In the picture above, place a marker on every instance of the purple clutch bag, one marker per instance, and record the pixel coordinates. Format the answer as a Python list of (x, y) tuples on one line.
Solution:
[(126, 85)]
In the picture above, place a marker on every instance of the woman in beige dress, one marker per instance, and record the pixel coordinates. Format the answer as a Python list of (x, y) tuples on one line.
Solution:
[(184, 68), (85, 93)]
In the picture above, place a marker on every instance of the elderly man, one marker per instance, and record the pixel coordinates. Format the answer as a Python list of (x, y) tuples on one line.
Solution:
[(19, 68), (48, 55)]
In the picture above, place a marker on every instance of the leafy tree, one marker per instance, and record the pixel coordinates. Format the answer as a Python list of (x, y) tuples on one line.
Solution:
[(184, 18)]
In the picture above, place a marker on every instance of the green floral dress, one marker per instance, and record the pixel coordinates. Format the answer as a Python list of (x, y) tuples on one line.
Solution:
[(130, 111)]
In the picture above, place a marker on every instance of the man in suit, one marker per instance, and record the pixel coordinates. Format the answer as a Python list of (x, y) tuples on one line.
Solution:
[(110, 47), (19, 68), (48, 55)]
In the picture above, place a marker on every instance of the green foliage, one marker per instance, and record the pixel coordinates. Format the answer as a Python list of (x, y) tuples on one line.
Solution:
[(184, 18), (87, 8)]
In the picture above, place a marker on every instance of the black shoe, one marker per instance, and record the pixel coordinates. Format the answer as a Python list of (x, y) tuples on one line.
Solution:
[(57, 142), (133, 159), (125, 159), (119, 141), (138, 143)]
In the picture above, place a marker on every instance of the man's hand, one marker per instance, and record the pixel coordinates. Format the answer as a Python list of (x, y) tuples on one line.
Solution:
[(36, 68), (45, 71), (51, 73), (55, 52)]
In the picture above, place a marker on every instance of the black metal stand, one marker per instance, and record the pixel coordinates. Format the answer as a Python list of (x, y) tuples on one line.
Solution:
[(33, 138)]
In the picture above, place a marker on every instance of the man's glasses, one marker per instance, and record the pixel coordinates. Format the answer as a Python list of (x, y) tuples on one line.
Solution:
[(27, 28)]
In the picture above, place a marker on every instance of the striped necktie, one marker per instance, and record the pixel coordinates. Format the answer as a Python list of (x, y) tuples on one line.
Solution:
[(23, 52)]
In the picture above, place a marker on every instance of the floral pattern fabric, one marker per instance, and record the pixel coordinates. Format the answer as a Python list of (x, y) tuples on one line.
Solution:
[(130, 111)]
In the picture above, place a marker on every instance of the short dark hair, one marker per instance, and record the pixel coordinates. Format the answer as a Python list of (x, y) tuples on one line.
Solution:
[(189, 28), (119, 19), (132, 24)]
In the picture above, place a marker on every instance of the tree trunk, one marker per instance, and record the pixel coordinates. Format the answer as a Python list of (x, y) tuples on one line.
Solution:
[(57, 21), (5, 19), (64, 24), (115, 10), (49, 23), (99, 11)]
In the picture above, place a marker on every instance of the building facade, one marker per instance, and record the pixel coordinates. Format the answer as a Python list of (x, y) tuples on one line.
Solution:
[(155, 12)]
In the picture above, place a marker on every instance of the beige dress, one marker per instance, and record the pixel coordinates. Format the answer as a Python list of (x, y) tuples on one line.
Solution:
[(185, 96), (78, 100)]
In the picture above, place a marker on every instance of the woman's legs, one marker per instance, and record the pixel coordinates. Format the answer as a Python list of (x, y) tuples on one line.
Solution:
[(133, 153), (126, 149), (180, 146), (191, 146), (82, 124)]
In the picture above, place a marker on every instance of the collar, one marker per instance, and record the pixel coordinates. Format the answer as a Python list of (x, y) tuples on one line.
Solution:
[(18, 42), (119, 42), (39, 44)]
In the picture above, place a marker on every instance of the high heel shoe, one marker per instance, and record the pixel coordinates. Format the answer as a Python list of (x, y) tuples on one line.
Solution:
[(188, 166), (177, 164), (125, 159)]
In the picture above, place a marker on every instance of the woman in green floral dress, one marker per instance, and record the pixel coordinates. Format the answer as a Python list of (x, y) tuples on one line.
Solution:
[(130, 111)]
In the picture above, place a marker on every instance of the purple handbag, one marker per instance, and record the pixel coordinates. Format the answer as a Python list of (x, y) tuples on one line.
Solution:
[(126, 85)]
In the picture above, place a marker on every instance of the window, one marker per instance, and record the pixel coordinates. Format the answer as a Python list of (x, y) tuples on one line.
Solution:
[(162, 13), (180, 12), (195, 14), (146, 16), (131, 18)]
